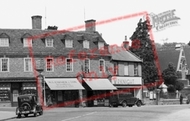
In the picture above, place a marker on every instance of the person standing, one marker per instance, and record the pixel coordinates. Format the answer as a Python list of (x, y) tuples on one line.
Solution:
[(181, 99)]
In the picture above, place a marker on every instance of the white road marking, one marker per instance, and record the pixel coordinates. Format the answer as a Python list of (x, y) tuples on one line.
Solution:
[(78, 116)]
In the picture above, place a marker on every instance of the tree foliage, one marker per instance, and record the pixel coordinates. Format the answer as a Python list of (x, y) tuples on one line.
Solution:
[(143, 47), (170, 77)]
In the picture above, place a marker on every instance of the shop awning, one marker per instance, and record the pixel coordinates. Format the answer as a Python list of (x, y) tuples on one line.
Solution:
[(63, 84), (99, 84)]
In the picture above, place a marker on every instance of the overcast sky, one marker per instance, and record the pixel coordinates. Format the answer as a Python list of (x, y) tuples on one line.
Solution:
[(16, 14)]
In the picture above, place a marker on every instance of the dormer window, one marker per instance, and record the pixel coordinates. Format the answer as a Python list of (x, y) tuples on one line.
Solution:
[(49, 42), (4, 42), (101, 45), (69, 43), (86, 44), (27, 42)]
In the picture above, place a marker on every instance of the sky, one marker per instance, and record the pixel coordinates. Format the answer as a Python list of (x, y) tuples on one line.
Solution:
[(16, 14)]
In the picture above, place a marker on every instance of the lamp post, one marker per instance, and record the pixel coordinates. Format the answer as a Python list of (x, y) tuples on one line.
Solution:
[(39, 69)]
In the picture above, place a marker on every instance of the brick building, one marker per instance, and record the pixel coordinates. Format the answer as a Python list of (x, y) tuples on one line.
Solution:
[(76, 65)]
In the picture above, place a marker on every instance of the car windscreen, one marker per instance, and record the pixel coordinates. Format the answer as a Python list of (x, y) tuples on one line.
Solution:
[(23, 99)]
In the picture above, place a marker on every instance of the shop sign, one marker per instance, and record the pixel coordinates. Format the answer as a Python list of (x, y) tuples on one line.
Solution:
[(126, 80)]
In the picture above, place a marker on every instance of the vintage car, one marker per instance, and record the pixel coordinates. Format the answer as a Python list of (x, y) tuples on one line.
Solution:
[(124, 100), (28, 104)]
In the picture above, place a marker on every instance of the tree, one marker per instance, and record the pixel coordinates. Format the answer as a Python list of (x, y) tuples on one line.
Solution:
[(170, 79), (143, 47)]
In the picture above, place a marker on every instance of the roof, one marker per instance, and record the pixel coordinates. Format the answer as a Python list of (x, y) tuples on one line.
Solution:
[(187, 55), (38, 46), (167, 56), (120, 54)]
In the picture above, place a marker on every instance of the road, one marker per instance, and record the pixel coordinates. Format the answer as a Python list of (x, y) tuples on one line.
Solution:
[(144, 113)]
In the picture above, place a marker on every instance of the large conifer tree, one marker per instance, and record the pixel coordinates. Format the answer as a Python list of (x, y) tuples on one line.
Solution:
[(142, 46)]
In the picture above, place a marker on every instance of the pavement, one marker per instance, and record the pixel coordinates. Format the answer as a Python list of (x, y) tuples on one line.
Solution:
[(6, 115), (182, 115)]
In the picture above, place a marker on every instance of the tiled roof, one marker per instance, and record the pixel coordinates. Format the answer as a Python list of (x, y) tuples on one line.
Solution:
[(39, 48), (120, 54), (187, 55), (167, 56)]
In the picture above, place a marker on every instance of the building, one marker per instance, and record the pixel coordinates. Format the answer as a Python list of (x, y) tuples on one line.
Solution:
[(75, 66), (127, 70)]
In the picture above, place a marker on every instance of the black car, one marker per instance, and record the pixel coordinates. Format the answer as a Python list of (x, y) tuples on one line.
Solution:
[(124, 100), (28, 104)]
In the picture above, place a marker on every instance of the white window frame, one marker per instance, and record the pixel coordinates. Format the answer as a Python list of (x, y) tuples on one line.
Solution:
[(136, 69), (126, 69), (100, 65), (101, 45), (116, 67), (25, 42), (69, 43), (1, 63), (88, 66), (71, 65), (49, 42), (86, 44), (4, 42), (52, 65), (30, 66)]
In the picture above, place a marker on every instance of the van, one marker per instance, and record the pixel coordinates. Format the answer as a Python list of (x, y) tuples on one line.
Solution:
[(124, 99)]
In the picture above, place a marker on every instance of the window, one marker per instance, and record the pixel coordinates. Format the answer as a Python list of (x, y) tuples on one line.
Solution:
[(4, 42), (126, 69), (135, 69), (115, 68), (101, 65), (27, 42), (87, 65), (69, 43), (86, 44), (69, 65), (101, 45), (4, 64), (49, 42), (27, 64), (49, 65)]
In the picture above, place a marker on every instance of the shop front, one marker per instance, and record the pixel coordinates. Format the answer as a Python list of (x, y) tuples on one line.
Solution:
[(129, 85), (5, 94), (97, 91), (64, 92)]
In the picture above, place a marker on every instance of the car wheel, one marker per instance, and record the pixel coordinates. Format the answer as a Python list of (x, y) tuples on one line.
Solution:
[(26, 115), (130, 105), (138, 104), (124, 103), (41, 112), (19, 116)]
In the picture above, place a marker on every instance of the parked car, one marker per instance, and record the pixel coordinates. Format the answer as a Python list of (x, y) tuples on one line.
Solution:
[(28, 104), (124, 99)]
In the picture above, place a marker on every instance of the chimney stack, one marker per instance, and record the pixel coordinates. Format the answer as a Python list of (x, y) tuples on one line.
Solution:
[(90, 25), (126, 43), (36, 22)]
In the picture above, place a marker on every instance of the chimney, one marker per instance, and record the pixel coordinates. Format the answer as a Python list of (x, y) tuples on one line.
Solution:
[(90, 25), (126, 43), (36, 22)]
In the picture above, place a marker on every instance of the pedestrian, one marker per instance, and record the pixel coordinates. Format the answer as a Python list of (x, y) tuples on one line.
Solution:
[(49, 102), (181, 99)]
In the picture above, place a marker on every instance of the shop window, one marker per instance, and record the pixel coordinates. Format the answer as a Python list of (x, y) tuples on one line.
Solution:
[(4, 64), (5, 92), (101, 65), (69, 65), (49, 65)]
